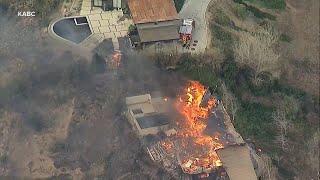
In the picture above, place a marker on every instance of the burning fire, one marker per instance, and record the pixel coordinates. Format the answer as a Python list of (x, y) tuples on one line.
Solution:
[(168, 146), (198, 154), (115, 60)]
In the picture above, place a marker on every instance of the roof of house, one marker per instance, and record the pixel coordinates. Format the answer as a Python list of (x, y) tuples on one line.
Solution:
[(237, 162), (158, 34), (145, 11)]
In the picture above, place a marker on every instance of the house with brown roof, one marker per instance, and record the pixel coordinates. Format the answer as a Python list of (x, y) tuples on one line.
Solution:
[(156, 20)]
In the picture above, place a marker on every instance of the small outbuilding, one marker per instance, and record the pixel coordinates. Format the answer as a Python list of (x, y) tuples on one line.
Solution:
[(237, 161), (156, 20), (147, 115)]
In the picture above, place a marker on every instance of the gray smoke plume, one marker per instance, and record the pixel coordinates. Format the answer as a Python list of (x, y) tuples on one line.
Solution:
[(55, 107)]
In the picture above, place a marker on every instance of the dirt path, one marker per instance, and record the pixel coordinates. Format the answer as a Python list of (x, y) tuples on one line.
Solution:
[(197, 11)]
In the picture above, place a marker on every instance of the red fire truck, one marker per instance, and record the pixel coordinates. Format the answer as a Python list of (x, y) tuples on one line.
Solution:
[(186, 32)]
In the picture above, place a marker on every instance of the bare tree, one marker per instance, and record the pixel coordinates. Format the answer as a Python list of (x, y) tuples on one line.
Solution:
[(256, 51), (269, 171), (230, 101), (279, 117), (290, 106)]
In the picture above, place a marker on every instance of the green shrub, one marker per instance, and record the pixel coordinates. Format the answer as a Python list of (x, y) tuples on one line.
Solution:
[(222, 19), (254, 121), (222, 35), (270, 4), (222, 39), (204, 74), (132, 28), (240, 11), (260, 14)]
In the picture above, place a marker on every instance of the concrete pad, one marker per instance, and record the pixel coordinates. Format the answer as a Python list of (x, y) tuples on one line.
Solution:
[(117, 14), (129, 21), (96, 11), (112, 28), (123, 33), (124, 22), (94, 17), (117, 34), (122, 28), (84, 12), (104, 29), (86, 3), (86, 8), (100, 36), (104, 22), (113, 21), (95, 30), (115, 43), (95, 24), (106, 15), (108, 35), (95, 37)]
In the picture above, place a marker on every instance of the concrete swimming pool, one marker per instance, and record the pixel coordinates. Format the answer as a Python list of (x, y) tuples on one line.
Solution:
[(74, 29)]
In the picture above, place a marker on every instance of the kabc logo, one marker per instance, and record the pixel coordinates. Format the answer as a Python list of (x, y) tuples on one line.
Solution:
[(26, 13)]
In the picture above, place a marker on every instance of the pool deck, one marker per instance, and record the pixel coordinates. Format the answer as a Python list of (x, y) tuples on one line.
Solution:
[(104, 25)]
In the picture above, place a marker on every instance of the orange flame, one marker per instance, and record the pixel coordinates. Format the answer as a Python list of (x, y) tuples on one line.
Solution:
[(115, 60), (203, 156)]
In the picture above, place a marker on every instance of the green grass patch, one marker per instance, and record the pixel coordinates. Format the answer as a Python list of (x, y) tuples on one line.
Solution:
[(240, 11), (222, 35), (222, 39), (254, 121), (270, 4), (259, 14), (179, 4), (204, 74), (255, 10), (222, 18)]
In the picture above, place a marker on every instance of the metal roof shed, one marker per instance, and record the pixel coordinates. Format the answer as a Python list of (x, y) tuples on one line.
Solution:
[(237, 162)]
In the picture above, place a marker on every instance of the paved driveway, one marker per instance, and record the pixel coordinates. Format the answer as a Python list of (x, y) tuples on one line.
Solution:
[(196, 9)]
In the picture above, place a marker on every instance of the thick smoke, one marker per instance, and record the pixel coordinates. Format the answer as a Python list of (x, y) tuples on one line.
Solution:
[(56, 107)]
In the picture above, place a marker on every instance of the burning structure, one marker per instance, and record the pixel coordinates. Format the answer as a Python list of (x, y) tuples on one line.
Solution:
[(204, 141), (197, 152)]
